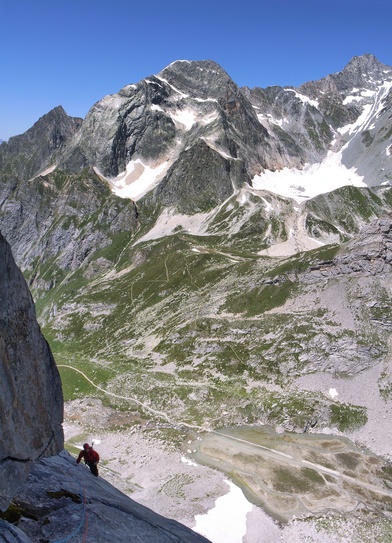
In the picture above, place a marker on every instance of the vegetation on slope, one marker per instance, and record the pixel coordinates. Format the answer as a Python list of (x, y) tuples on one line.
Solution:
[(204, 335)]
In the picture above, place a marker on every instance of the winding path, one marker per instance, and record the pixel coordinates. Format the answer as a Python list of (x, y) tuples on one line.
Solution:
[(159, 414)]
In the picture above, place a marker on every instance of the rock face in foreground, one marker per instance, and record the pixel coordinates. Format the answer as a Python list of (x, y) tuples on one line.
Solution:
[(61, 499), (31, 400)]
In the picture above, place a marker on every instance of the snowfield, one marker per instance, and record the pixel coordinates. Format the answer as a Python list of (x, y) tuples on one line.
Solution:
[(314, 179)]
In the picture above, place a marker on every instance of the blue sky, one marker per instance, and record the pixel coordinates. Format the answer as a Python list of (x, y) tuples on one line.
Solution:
[(75, 52)]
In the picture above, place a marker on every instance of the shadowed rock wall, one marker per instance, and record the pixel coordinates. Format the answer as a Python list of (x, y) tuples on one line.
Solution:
[(31, 400)]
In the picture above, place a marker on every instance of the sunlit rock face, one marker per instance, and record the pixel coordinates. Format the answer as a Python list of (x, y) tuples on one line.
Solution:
[(31, 400)]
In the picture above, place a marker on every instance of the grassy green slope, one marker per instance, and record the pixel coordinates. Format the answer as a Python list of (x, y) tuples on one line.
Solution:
[(197, 334), (202, 328)]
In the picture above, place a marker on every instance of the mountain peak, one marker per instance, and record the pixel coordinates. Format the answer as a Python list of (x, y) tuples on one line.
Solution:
[(363, 67), (192, 65), (28, 153), (364, 62), (200, 76)]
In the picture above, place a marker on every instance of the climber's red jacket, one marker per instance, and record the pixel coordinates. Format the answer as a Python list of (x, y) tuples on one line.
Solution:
[(89, 455)]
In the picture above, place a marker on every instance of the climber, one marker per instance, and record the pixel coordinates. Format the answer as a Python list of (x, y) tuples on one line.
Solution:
[(91, 458)]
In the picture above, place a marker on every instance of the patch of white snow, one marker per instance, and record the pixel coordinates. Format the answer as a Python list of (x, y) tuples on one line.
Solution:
[(351, 128), (205, 99), (368, 93), (185, 118), (182, 94), (333, 393), (268, 206), (210, 141), (155, 107), (370, 111), (168, 221), (137, 179), (315, 179), (188, 462), (178, 61), (242, 197), (207, 119), (304, 99), (226, 522), (48, 170), (263, 119), (350, 99), (152, 82)]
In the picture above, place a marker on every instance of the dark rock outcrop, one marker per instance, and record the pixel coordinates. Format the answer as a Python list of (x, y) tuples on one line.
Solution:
[(25, 155), (200, 180), (368, 254), (31, 400), (62, 218)]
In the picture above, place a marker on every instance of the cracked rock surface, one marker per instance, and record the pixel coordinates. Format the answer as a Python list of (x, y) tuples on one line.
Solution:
[(31, 399)]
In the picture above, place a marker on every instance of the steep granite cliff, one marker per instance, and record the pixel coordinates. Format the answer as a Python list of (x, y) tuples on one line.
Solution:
[(31, 400)]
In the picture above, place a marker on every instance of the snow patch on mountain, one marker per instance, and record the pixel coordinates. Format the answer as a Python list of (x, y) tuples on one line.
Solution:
[(304, 99), (138, 178), (185, 118), (273, 120), (182, 94), (169, 221), (266, 118), (353, 128), (212, 143), (48, 170), (226, 522), (196, 99), (314, 179), (358, 95), (370, 111)]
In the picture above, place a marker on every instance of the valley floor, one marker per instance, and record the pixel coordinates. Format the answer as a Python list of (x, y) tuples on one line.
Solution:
[(136, 460)]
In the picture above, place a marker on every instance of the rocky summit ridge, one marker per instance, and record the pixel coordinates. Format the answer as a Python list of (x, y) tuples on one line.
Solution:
[(211, 255), (163, 116)]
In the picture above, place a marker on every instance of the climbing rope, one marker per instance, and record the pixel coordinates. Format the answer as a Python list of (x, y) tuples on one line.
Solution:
[(84, 519)]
